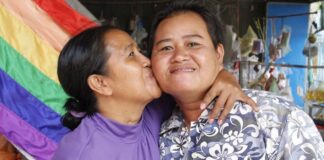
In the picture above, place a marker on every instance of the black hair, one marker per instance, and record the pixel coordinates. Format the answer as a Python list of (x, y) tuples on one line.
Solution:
[(205, 8), (82, 56)]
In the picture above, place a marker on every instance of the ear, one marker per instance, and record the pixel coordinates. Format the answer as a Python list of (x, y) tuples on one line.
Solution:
[(220, 53), (99, 84)]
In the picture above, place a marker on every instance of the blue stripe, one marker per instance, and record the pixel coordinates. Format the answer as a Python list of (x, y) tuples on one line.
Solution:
[(30, 109)]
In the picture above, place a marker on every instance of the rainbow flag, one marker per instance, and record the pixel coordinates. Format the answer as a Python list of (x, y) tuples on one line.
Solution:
[(32, 34)]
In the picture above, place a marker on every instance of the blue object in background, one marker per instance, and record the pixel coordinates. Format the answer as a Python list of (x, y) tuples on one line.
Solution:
[(298, 37)]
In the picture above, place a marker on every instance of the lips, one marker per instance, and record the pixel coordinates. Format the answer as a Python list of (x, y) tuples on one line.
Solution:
[(182, 69)]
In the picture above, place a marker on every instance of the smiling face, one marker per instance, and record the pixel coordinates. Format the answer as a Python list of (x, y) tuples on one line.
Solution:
[(129, 72), (184, 59)]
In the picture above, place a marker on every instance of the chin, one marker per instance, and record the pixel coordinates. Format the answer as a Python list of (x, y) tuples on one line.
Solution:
[(157, 94), (181, 87), (154, 92), (180, 91)]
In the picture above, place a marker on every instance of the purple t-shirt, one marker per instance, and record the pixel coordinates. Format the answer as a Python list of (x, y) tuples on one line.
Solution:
[(100, 138)]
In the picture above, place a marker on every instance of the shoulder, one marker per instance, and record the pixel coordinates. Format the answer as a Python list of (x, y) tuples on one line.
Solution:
[(264, 98), (274, 110), (270, 103), (72, 144), (286, 126)]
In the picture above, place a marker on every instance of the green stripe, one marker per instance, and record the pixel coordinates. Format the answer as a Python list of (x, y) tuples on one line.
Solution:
[(29, 77)]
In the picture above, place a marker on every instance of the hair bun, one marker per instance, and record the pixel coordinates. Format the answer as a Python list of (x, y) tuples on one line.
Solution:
[(74, 114), (72, 104), (74, 108)]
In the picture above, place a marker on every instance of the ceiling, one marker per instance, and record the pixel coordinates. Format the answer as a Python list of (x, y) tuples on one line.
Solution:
[(243, 11), (165, 1)]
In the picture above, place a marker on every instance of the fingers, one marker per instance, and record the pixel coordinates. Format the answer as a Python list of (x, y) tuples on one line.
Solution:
[(253, 104), (250, 102), (226, 102), (228, 107), (229, 91), (222, 81), (218, 106), (211, 94)]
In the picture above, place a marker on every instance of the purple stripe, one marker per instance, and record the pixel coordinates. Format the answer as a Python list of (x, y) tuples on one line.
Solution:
[(30, 109), (24, 135)]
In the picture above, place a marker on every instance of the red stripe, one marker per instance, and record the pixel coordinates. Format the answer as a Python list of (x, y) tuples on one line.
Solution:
[(69, 19)]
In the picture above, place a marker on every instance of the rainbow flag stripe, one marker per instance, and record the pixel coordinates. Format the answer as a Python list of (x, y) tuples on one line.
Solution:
[(32, 34)]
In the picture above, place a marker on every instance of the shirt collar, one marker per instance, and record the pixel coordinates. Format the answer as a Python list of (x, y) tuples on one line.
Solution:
[(118, 131), (176, 120)]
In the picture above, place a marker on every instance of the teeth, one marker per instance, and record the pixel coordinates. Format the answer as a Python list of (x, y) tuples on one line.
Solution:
[(183, 70), (187, 69)]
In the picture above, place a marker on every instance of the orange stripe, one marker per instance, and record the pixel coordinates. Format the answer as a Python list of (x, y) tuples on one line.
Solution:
[(38, 20)]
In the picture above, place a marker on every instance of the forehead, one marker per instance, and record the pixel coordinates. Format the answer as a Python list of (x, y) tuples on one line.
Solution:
[(116, 38), (186, 21)]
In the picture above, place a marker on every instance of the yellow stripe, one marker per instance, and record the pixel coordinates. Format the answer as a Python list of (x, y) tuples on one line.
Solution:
[(27, 43), (38, 20)]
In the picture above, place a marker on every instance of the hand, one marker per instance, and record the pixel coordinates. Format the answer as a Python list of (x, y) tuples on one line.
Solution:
[(228, 91)]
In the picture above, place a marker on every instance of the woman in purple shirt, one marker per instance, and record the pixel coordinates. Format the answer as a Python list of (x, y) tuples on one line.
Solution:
[(111, 86)]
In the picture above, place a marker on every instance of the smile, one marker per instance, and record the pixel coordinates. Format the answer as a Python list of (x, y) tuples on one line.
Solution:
[(182, 69)]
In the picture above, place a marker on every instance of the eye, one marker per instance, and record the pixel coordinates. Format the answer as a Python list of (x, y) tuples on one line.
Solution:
[(131, 54), (166, 48), (192, 44)]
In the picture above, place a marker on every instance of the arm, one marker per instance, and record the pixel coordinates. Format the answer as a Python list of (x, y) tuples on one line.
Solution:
[(225, 87), (228, 91)]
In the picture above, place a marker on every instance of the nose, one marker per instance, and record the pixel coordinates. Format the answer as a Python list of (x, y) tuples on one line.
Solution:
[(145, 61), (180, 55)]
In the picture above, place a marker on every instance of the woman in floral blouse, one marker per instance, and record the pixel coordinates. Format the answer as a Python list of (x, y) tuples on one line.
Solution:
[(186, 58)]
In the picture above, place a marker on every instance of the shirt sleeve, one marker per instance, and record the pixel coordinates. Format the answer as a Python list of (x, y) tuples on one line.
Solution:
[(301, 139)]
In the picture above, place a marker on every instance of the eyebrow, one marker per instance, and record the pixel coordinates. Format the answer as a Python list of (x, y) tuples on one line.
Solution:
[(128, 46), (186, 36), (193, 36), (163, 40)]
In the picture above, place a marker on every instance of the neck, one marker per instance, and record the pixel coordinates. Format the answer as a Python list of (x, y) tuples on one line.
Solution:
[(122, 111), (190, 108)]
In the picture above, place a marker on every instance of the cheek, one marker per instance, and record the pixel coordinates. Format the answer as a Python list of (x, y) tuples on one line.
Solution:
[(125, 71), (156, 64), (209, 62), (159, 68)]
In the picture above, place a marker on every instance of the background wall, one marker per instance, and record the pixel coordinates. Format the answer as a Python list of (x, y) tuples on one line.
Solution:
[(238, 13), (299, 33)]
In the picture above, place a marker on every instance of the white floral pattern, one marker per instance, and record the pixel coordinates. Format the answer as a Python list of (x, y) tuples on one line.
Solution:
[(278, 131)]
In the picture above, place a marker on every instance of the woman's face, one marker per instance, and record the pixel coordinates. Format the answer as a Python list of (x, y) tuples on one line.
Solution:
[(184, 58), (129, 72)]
